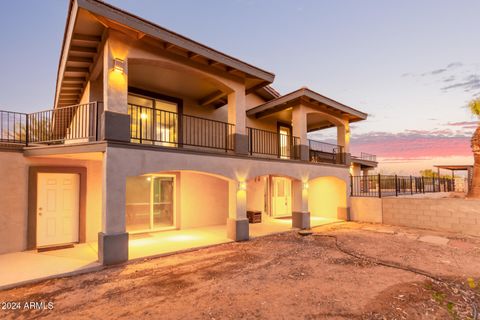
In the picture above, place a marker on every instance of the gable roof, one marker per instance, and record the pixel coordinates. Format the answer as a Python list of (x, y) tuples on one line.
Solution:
[(283, 102)]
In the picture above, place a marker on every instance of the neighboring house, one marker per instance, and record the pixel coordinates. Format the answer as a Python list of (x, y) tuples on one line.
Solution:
[(153, 131)]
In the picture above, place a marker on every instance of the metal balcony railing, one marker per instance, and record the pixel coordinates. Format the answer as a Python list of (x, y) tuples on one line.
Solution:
[(165, 128), (325, 152), (273, 144)]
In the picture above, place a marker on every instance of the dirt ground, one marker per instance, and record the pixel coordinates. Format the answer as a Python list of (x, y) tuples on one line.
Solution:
[(283, 276)]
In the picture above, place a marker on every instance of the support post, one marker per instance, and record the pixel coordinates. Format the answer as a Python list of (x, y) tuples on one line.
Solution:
[(113, 239), (237, 222), (411, 185), (396, 186), (379, 186), (300, 213)]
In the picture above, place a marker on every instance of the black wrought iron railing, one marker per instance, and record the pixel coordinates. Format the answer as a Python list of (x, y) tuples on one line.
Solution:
[(13, 129), (77, 122), (325, 152), (50, 126), (367, 156), (166, 128), (393, 185), (274, 144)]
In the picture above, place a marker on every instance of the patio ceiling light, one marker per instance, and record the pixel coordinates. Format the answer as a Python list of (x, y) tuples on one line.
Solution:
[(242, 185), (118, 65)]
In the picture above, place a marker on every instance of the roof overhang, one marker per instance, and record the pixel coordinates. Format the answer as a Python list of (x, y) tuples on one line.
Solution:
[(84, 46), (307, 96), (455, 167)]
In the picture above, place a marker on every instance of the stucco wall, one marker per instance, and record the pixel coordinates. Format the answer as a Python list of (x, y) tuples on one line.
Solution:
[(256, 194), (366, 209), (327, 197), (204, 200), (14, 197), (447, 214)]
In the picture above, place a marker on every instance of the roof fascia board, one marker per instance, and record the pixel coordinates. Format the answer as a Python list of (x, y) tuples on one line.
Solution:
[(156, 31), (309, 94), (72, 17)]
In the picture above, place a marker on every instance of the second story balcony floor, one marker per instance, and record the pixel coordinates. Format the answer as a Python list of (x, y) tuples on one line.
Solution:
[(160, 123)]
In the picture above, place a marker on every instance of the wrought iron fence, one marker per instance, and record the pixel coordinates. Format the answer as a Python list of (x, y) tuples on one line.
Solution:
[(269, 143), (67, 123), (165, 128), (325, 152), (393, 185), (368, 156), (13, 129)]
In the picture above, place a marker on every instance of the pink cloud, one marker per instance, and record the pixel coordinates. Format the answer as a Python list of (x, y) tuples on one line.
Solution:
[(413, 144)]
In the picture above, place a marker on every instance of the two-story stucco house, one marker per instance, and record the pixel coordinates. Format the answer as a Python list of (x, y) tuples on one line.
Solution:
[(153, 132)]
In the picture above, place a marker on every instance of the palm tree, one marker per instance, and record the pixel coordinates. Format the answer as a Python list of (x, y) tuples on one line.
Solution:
[(474, 191)]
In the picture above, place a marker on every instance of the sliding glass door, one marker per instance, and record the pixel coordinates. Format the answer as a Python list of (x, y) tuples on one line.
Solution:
[(150, 203), (153, 121)]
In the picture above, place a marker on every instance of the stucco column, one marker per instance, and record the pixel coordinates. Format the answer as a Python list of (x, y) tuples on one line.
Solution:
[(237, 222), (113, 239), (343, 139), (236, 116), (300, 213), (299, 129), (115, 118)]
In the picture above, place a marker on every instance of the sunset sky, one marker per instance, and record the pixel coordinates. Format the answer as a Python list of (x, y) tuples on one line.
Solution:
[(412, 65)]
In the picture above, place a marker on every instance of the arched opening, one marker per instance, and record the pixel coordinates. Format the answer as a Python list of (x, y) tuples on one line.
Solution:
[(327, 138), (174, 105), (327, 199), (175, 210), (270, 203)]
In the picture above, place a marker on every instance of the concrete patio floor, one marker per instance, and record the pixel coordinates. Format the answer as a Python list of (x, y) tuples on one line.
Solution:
[(30, 266)]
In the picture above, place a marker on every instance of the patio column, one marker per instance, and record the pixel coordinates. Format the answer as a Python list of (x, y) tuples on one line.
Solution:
[(237, 222), (299, 129), (115, 121), (343, 139), (236, 116), (300, 213), (113, 239)]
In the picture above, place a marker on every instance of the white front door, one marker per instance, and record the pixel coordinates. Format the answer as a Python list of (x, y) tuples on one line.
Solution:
[(282, 197), (57, 208)]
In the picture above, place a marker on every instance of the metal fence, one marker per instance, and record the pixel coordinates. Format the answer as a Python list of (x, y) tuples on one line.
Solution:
[(50, 126), (13, 129), (393, 185), (67, 123), (269, 143), (165, 128), (325, 152)]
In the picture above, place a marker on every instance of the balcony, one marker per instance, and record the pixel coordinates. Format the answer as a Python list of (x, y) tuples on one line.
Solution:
[(150, 126), (271, 144), (322, 152), (170, 129)]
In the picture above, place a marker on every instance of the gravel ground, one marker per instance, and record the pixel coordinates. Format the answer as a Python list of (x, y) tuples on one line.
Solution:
[(363, 272)]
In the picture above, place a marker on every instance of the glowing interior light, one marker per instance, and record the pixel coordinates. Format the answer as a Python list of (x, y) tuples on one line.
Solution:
[(143, 116)]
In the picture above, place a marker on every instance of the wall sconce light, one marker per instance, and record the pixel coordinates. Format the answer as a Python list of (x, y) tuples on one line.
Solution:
[(242, 185), (305, 186), (118, 65), (149, 179)]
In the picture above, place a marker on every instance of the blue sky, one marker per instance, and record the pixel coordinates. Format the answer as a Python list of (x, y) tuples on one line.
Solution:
[(412, 65)]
